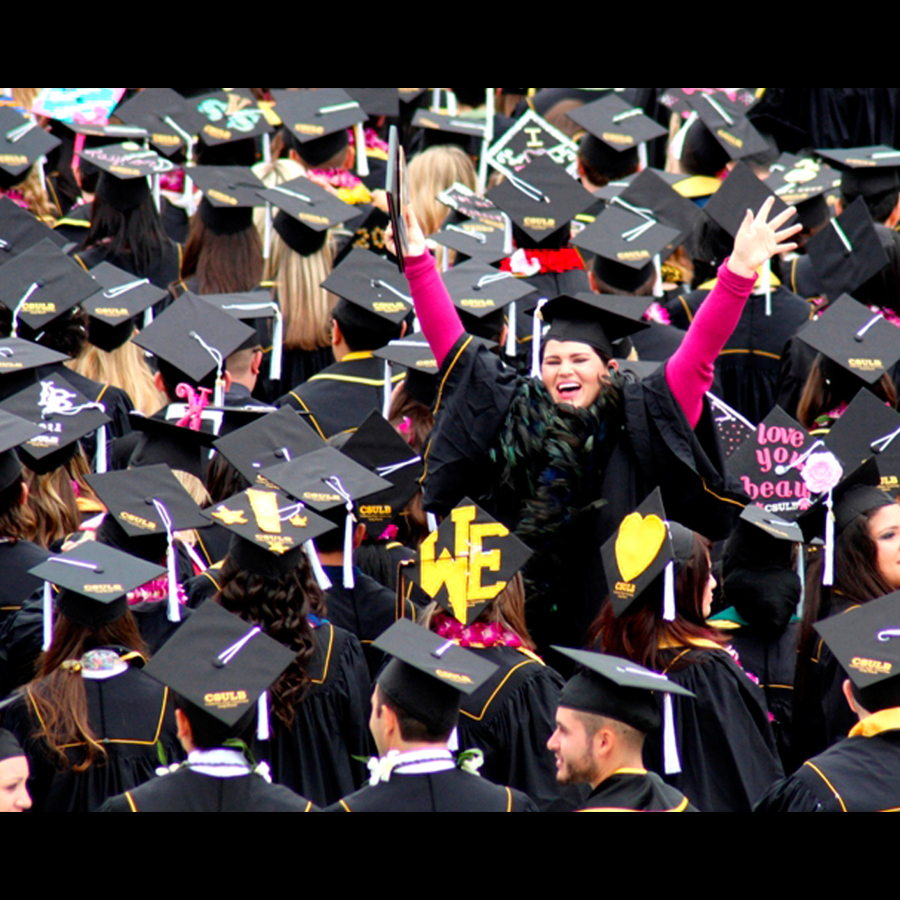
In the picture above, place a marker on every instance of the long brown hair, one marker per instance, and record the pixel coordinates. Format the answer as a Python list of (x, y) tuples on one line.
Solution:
[(223, 264), (640, 634), (823, 393), (17, 521), (280, 606), (58, 694)]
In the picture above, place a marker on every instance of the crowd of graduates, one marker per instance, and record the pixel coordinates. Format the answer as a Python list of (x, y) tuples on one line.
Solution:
[(449, 449)]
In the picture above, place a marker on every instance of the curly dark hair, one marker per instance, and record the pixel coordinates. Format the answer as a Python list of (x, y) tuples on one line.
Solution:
[(281, 607)]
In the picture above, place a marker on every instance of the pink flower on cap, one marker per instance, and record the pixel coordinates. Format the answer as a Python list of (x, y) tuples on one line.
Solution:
[(822, 473)]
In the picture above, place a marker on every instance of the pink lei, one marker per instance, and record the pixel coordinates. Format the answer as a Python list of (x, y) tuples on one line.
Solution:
[(156, 592), (477, 636)]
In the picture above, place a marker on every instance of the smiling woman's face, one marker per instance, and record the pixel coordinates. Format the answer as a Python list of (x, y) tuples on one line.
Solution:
[(573, 373), (884, 529)]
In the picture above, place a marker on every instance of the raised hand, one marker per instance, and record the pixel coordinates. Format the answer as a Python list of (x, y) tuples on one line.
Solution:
[(759, 239), (414, 236)]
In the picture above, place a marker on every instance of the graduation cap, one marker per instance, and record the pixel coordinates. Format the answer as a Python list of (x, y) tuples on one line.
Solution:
[(167, 442), (196, 339), (860, 342), (463, 200), (226, 116), (428, 676), (127, 161), (529, 137), (42, 284), (804, 182), (542, 198), (378, 447), (600, 320), (478, 239), (645, 548), (20, 231), (848, 252), (866, 642), (120, 299), (63, 415), (257, 310), (221, 667), (17, 356), (417, 357), (94, 582), (164, 114), (22, 143), (75, 105), (727, 122), (430, 120), (652, 193), (110, 133), (740, 191), (270, 441), (318, 121), (13, 432), (10, 748), (377, 101), (230, 194), (468, 562), (866, 170), (408, 95), (772, 525)]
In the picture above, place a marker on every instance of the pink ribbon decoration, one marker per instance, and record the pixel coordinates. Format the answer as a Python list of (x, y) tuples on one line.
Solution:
[(197, 402)]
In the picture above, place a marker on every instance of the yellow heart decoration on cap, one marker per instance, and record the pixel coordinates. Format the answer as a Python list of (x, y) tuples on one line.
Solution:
[(638, 544)]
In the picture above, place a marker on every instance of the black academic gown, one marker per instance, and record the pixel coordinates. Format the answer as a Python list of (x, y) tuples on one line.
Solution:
[(316, 756), (165, 269), (726, 744), (860, 774), (343, 396), (190, 792), (17, 586), (129, 715), (445, 792), (510, 719), (632, 790), (75, 224)]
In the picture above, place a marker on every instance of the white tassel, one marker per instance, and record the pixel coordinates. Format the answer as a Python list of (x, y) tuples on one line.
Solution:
[(174, 609), (157, 196), (669, 599), (828, 574), (48, 616), (349, 529), (322, 579), (101, 459), (642, 156), (432, 522), (277, 360), (658, 291), (388, 389), (263, 728), (267, 148), (767, 277), (677, 148), (537, 332), (672, 761), (452, 105), (362, 161), (512, 343), (801, 574)]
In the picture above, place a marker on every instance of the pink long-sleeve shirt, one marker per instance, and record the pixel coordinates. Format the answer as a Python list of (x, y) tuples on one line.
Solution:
[(689, 373)]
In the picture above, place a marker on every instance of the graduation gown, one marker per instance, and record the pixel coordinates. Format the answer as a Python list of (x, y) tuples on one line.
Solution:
[(634, 790), (343, 396), (165, 269), (510, 719), (17, 586), (186, 791), (129, 714), (315, 756), (860, 774), (726, 743)]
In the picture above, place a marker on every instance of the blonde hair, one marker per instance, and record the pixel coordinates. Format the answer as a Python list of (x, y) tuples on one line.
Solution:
[(125, 368), (271, 174), (194, 486), (305, 304), (431, 173)]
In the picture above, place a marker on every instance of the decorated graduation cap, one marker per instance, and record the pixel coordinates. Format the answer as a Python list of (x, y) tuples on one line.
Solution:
[(860, 342), (866, 642), (176, 443), (848, 252), (428, 676), (541, 198), (377, 446), (866, 170), (20, 231), (221, 667), (125, 169), (479, 239), (269, 530), (121, 297), (269, 441), (42, 284), (164, 114), (531, 136), (94, 582), (195, 338), (22, 143), (468, 562), (226, 116), (726, 120), (64, 416), (646, 548), (13, 432), (230, 194), (804, 182)]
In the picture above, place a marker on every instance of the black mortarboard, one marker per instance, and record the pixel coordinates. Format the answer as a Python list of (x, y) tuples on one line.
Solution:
[(94, 582), (64, 416), (740, 191), (861, 342), (226, 116), (772, 525), (617, 689), (481, 294), (616, 124), (541, 198), (127, 161), (18, 356), (866, 642), (254, 308), (178, 337), (269, 529), (377, 101), (417, 357), (163, 442), (45, 283), (468, 562), (10, 748), (220, 665), (131, 497), (378, 447), (20, 231), (156, 109), (800, 179), (652, 193), (727, 122), (532, 136), (847, 253), (120, 299), (373, 294), (428, 675), (13, 432), (318, 121), (229, 195), (267, 442), (476, 238), (866, 170), (463, 200), (596, 319), (22, 143), (442, 121)]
